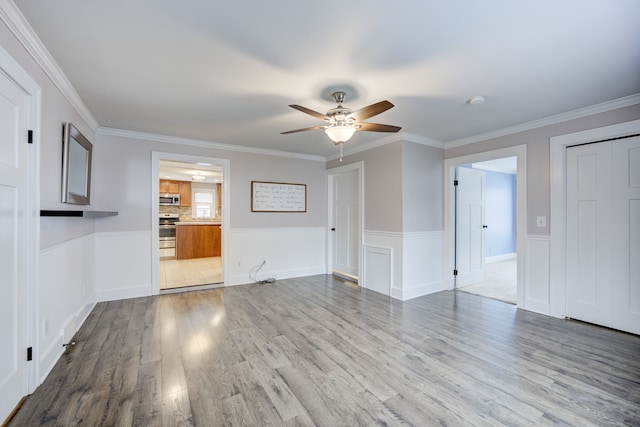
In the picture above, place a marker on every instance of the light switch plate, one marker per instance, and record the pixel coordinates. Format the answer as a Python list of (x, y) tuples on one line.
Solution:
[(541, 221)]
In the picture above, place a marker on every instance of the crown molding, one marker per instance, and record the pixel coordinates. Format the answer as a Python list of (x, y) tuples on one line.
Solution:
[(389, 139), (551, 120), (18, 25), (203, 144)]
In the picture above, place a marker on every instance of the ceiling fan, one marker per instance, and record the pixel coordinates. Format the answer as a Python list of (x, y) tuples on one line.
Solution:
[(342, 122)]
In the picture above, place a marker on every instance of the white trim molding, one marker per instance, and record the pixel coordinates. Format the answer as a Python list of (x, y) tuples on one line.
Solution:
[(551, 120), (416, 261), (537, 297), (130, 252), (519, 151), (385, 140), (558, 217), (144, 136), (14, 71), (357, 167), (17, 23), (287, 252)]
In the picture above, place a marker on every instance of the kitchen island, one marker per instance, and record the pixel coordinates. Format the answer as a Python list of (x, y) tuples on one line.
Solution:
[(198, 239)]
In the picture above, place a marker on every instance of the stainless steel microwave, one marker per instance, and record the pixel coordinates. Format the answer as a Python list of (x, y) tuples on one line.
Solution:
[(169, 200)]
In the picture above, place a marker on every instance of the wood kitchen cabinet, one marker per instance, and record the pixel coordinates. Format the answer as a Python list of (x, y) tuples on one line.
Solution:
[(198, 241), (169, 187), (184, 189)]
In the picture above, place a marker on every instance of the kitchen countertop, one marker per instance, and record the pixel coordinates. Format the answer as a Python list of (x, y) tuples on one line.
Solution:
[(218, 222)]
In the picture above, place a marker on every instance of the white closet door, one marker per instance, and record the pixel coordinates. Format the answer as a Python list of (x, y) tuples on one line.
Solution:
[(603, 231), (626, 234)]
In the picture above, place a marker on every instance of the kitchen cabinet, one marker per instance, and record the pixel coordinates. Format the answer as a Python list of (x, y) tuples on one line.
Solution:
[(184, 189), (198, 240), (169, 187)]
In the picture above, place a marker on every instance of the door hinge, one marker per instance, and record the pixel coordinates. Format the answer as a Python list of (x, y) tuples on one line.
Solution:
[(30, 136), (29, 354), (455, 182), (455, 272)]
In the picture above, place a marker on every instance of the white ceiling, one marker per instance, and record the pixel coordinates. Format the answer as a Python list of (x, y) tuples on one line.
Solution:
[(184, 171), (225, 71)]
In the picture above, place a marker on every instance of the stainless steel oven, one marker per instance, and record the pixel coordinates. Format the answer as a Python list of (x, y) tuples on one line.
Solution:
[(167, 232)]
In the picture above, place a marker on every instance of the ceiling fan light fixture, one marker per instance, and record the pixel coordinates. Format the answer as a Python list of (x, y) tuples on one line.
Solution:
[(340, 134)]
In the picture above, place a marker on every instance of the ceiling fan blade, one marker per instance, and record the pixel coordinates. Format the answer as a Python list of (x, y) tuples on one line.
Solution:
[(375, 127), (302, 130), (308, 111), (372, 110)]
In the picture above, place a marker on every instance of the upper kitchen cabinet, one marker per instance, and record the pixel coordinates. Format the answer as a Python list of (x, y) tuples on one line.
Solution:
[(184, 189), (170, 187)]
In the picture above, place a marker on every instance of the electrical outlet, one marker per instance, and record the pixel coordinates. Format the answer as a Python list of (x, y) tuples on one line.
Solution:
[(239, 263)]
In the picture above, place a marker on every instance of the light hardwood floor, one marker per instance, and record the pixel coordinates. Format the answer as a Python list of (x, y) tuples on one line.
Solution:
[(189, 272), (319, 351)]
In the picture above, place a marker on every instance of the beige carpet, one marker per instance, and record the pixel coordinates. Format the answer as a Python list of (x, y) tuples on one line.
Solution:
[(500, 282)]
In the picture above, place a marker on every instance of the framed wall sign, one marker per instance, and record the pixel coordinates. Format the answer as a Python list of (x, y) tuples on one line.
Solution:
[(278, 197)]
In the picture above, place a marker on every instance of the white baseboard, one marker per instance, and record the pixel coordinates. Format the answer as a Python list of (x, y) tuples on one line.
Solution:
[(537, 295), (124, 293), (416, 265), (418, 291)]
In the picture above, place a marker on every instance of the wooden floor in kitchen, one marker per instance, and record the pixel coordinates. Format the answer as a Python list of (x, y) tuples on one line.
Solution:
[(319, 351), (189, 272)]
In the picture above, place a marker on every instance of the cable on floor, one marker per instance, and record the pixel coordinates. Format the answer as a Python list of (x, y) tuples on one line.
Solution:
[(253, 274)]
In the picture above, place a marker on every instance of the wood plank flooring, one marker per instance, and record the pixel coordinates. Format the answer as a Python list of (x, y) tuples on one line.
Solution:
[(319, 351)]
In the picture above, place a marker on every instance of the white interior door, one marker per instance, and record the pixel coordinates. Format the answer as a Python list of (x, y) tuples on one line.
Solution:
[(469, 226), (603, 233), (13, 245), (346, 224)]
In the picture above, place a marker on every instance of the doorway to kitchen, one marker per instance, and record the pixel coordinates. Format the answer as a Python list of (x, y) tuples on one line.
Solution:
[(189, 220)]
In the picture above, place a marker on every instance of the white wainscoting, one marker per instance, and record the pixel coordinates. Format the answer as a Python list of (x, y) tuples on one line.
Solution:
[(288, 252), (536, 278), (416, 263), (422, 264), (378, 269), (123, 265), (65, 297)]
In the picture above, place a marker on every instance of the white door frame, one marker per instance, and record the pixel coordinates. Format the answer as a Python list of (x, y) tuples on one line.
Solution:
[(156, 156), (558, 214), (358, 167), (15, 72), (448, 256)]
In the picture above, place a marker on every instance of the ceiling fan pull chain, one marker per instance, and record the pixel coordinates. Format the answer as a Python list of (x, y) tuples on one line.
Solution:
[(340, 153)]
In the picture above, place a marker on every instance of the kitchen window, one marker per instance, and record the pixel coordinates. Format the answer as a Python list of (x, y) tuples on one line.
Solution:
[(203, 203)]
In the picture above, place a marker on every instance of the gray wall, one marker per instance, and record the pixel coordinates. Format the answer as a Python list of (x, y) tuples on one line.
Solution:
[(55, 111), (403, 186), (382, 186), (537, 142), (122, 170), (422, 187)]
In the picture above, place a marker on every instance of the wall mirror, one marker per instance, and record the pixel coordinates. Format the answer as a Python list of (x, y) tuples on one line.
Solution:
[(76, 167)]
